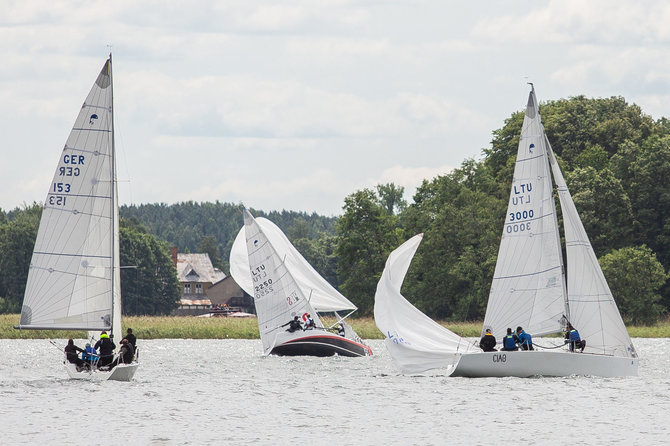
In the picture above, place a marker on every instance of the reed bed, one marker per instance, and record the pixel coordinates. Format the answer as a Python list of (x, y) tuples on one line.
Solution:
[(189, 327)]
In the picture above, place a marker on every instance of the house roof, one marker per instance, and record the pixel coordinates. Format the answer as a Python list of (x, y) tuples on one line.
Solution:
[(197, 268)]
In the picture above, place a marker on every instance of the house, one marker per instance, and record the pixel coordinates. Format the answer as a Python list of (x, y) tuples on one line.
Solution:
[(228, 293), (206, 289)]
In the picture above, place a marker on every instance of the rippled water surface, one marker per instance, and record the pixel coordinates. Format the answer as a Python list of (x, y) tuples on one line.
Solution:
[(224, 392)]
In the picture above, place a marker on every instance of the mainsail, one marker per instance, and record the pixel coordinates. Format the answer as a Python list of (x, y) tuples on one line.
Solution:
[(592, 307), (323, 297), (277, 296), (416, 342), (528, 287), (74, 276)]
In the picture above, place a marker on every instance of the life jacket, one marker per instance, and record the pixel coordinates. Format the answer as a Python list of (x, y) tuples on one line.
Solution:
[(508, 342), (574, 335)]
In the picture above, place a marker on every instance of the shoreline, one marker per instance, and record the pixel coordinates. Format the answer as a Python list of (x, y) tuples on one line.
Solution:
[(190, 327)]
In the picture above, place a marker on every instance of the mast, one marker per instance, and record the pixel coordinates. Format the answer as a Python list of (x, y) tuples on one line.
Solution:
[(550, 153), (116, 270)]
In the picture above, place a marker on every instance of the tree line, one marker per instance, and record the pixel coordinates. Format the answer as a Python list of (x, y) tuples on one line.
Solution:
[(149, 282), (616, 161)]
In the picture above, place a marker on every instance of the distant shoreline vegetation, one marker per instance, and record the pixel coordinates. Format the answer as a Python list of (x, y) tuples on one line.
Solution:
[(188, 327)]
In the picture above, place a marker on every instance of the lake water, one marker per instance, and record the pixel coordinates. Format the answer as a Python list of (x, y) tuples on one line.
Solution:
[(224, 392)]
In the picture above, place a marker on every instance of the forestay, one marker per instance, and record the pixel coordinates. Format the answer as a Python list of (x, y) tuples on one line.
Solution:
[(323, 297), (74, 273), (592, 307), (416, 342), (528, 287), (277, 296)]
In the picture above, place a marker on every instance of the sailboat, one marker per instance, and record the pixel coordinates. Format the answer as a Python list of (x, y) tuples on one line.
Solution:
[(74, 280), (284, 285), (529, 289)]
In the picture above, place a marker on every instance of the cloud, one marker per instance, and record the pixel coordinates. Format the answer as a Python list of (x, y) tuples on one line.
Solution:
[(411, 176), (230, 99), (576, 21), (408, 177), (320, 190)]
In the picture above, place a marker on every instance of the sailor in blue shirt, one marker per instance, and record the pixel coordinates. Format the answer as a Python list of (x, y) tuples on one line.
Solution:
[(572, 336), (525, 339)]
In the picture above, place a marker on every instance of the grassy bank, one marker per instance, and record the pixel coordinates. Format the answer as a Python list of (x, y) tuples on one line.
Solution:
[(165, 327)]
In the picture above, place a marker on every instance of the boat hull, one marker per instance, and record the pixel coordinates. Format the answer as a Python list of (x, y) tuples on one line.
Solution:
[(321, 345), (525, 364), (122, 372)]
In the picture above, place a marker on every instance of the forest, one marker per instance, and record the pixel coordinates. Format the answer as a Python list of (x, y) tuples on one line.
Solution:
[(615, 158)]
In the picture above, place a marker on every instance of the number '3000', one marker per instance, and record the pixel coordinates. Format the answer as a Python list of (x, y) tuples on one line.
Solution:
[(517, 227)]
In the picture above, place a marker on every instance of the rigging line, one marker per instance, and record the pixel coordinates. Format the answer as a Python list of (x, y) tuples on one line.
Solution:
[(535, 344), (76, 212), (83, 129), (52, 342), (97, 150), (63, 254), (101, 107), (68, 194), (529, 159), (527, 275)]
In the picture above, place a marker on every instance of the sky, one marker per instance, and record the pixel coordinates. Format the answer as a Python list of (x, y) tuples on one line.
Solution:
[(296, 104)]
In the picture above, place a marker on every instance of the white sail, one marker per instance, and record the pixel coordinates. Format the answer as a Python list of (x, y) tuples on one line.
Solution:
[(416, 342), (74, 278), (277, 296), (528, 283), (323, 297), (593, 310)]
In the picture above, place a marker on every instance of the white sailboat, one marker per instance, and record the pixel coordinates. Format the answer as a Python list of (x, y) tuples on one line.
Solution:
[(529, 287), (74, 281), (267, 266)]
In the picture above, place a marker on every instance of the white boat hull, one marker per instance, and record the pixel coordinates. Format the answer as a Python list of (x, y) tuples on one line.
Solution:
[(122, 372), (525, 364)]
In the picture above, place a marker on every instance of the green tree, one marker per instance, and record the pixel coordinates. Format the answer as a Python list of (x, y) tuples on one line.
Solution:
[(604, 208), (645, 174), (299, 229), (575, 125), (391, 198), (17, 240), (367, 234), (149, 284), (462, 222), (593, 156), (320, 253), (210, 246), (635, 276)]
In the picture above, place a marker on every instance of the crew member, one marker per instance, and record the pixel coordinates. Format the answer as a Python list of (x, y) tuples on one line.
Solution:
[(106, 348), (131, 338), (90, 356), (525, 339), (572, 336), (293, 325), (72, 355), (309, 322), (510, 341), (488, 341), (126, 353)]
